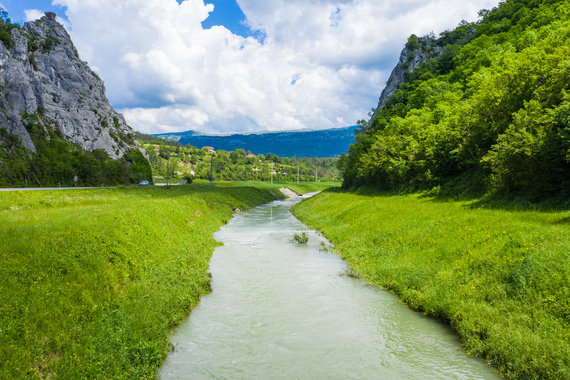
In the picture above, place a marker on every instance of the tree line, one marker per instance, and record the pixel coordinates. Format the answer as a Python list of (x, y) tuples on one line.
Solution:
[(174, 160)]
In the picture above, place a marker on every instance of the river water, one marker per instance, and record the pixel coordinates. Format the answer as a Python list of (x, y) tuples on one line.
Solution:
[(280, 310)]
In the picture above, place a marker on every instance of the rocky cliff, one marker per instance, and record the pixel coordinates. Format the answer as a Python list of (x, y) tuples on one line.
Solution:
[(417, 51), (44, 83)]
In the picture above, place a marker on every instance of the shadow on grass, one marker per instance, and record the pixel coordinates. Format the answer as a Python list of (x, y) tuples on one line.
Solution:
[(472, 200)]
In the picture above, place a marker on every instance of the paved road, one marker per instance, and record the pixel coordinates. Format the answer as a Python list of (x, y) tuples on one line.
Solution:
[(48, 188)]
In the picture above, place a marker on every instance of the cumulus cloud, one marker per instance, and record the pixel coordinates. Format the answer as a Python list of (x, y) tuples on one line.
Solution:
[(36, 14), (32, 14), (322, 64)]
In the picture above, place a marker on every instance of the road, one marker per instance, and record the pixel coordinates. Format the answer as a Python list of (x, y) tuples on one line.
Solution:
[(48, 188)]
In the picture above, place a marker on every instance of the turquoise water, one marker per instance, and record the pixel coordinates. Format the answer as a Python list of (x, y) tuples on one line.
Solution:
[(280, 310)]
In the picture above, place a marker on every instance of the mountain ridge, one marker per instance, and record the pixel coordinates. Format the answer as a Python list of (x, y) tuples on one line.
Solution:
[(297, 143)]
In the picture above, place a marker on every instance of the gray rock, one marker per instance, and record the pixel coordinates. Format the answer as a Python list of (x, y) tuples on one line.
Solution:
[(42, 75), (409, 60)]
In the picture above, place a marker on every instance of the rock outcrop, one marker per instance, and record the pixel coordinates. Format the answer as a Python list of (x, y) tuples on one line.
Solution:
[(417, 51), (43, 79)]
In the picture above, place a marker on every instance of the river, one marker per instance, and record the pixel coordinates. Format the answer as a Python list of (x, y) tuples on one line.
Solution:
[(280, 310)]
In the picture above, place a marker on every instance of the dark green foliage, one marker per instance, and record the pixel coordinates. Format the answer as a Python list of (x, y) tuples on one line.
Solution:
[(488, 115), (48, 44), (57, 161), (33, 44), (6, 28), (412, 43)]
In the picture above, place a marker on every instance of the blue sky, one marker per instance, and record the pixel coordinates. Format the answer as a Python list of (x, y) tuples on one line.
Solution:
[(226, 13), (245, 65), (16, 8)]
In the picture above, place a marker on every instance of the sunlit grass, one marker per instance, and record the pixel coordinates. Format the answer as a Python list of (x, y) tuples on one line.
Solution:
[(92, 280), (501, 278), (302, 187)]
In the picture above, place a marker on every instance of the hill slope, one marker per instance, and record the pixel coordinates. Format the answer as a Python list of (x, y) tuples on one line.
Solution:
[(323, 143), (488, 114)]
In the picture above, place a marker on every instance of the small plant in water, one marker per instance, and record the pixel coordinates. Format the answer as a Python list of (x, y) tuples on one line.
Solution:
[(301, 237)]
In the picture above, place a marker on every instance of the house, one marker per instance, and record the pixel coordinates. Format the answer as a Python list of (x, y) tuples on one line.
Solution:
[(255, 169), (208, 149), (251, 155)]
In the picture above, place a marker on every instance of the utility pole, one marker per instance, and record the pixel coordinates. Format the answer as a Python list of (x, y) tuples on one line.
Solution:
[(297, 174), (211, 170), (272, 172), (167, 169), (316, 174)]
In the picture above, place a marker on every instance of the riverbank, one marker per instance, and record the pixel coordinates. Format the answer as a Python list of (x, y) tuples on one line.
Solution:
[(92, 280), (499, 277)]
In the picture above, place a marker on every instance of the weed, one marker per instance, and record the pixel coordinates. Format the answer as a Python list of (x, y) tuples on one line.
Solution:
[(301, 237)]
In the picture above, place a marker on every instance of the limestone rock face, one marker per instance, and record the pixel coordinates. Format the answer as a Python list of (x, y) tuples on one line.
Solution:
[(41, 75), (412, 56)]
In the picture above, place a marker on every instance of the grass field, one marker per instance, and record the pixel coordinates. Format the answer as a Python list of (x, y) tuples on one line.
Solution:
[(500, 277), (92, 280)]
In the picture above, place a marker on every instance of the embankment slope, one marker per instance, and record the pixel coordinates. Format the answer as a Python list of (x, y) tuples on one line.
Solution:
[(498, 277)]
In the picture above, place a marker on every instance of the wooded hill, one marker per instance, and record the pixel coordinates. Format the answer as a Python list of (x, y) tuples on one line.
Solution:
[(489, 115), (175, 160)]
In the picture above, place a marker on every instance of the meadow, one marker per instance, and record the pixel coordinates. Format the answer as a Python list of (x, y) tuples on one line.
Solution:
[(92, 280), (498, 275)]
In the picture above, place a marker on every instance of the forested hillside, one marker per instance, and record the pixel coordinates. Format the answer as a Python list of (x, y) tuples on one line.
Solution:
[(489, 114), (175, 160)]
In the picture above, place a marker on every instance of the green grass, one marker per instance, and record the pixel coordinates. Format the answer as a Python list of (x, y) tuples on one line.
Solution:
[(92, 280), (302, 187), (499, 277)]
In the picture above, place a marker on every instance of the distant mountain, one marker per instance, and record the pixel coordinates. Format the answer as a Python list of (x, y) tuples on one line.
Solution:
[(303, 143)]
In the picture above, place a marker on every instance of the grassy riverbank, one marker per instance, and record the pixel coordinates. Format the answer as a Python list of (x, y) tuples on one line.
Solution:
[(500, 277), (91, 280)]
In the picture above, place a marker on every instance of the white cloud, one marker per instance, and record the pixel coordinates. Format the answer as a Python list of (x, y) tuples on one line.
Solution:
[(36, 14), (32, 14), (322, 65)]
